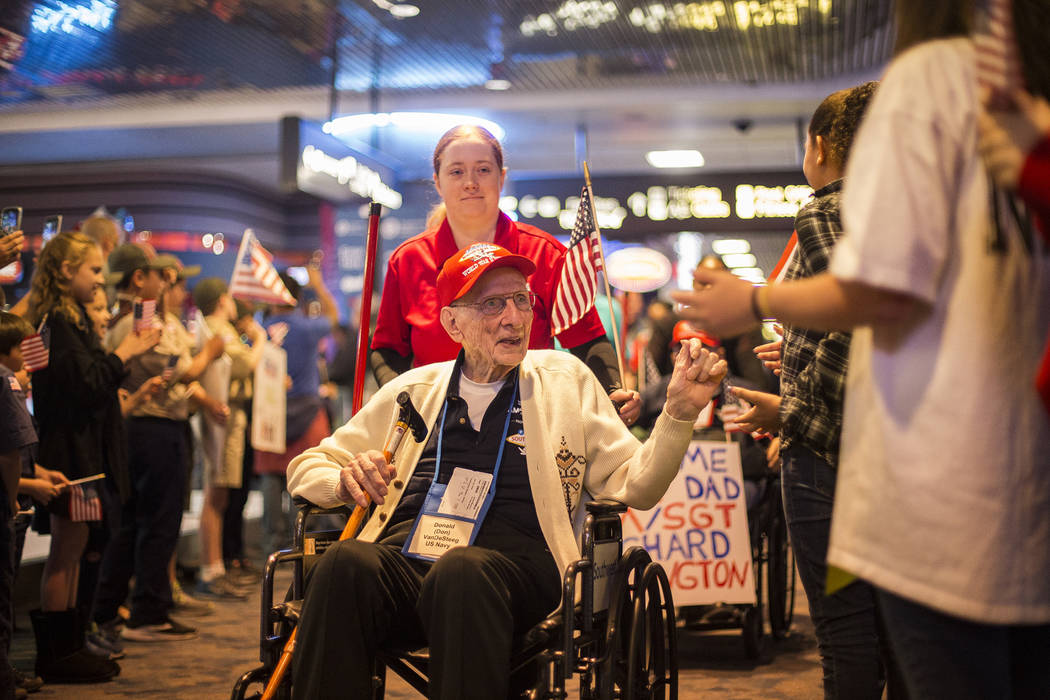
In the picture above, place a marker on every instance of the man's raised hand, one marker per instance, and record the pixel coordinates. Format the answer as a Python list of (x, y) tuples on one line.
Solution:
[(697, 374)]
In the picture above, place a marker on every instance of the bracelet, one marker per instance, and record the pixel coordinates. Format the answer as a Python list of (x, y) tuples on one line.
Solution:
[(759, 303)]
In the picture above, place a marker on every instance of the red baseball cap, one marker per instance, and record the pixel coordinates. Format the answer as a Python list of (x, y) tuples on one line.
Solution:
[(462, 270), (684, 330)]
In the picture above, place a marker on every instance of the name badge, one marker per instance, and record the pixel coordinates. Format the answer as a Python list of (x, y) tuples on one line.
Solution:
[(450, 516)]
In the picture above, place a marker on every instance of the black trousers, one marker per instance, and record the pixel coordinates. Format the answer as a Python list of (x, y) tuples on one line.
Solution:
[(149, 524), (467, 606)]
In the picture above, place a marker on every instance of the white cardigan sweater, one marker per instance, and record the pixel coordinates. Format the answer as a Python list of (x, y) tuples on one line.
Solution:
[(574, 443)]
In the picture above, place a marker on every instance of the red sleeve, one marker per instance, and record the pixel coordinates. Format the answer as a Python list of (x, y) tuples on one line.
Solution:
[(392, 331), (1034, 185)]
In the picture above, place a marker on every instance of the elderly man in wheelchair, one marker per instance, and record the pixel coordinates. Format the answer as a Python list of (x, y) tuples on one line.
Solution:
[(472, 527)]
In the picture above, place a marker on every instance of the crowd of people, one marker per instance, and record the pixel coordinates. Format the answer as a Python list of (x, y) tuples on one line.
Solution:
[(104, 462), (905, 407)]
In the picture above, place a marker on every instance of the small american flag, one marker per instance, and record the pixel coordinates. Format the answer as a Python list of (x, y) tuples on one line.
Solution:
[(36, 352), (169, 368), (998, 62), (144, 311), (255, 277), (84, 504), (578, 283)]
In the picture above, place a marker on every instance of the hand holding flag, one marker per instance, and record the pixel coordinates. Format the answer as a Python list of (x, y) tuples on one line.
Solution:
[(144, 311), (36, 349)]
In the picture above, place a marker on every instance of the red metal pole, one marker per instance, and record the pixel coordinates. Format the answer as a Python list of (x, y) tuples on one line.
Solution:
[(364, 327)]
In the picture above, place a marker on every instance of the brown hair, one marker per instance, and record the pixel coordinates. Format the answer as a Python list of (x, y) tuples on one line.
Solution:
[(49, 291), (467, 131), (1031, 23), (464, 131), (13, 330), (838, 118), (926, 20)]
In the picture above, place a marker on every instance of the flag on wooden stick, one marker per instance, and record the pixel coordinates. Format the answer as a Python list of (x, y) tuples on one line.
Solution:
[(578, 284), (36, 349)]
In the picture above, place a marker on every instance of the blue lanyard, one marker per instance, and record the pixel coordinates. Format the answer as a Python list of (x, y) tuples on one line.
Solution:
[(499, 456)]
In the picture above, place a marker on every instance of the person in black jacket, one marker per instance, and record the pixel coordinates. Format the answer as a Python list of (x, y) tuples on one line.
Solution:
[(81, 434)]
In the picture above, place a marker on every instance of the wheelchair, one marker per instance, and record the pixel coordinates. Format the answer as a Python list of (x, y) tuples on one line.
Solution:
[(614, 627), (773, 564)]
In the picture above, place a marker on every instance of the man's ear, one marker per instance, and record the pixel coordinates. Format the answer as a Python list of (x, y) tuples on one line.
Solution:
[(138, 278), (448, 322), (822, 149)]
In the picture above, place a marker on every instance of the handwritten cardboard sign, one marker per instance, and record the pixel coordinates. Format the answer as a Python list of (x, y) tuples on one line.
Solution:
[(269, 400), (698, 530)]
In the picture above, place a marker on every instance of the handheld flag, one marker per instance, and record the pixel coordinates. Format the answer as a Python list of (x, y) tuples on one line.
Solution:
[(84, 504), (36, 349), (998, 61), (255, 277), (169, 368), (143, 312), (578, 284)]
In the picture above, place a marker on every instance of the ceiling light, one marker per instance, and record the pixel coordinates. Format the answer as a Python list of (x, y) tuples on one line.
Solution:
[(399, 10), (404, 11), (675, 159), (729, 246), (751, 274), (735, 260), (426, 122), (497, 84)]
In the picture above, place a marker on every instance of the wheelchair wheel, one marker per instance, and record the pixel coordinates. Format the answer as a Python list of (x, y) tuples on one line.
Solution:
[(652, 666), (257, 675), (611, 667), (781, 579)]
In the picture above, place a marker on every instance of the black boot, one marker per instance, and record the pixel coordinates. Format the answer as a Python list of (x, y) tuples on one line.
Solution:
[(60, 653)]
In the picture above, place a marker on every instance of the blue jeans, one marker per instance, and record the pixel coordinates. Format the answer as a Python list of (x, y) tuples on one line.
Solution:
[(149, 524), (846, 626), (942, 656)]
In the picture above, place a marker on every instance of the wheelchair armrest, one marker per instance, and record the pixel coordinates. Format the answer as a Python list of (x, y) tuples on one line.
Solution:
[(605, 506), (302, 504)]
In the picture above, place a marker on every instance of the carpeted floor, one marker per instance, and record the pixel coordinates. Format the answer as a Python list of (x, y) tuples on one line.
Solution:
[(712, 664)]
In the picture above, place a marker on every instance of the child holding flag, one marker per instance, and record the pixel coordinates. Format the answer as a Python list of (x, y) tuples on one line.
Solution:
[(75, 397)]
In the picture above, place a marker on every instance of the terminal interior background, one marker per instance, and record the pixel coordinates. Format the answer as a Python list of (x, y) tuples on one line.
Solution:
[(192, 120)]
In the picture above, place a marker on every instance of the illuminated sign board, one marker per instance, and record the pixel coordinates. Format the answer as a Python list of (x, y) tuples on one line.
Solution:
[(634, 206), (322, 165)]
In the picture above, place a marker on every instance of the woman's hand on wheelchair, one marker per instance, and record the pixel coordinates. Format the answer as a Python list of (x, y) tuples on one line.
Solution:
[(365, 477)]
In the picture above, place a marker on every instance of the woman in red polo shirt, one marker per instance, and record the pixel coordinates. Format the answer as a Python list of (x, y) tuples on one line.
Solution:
[(469, 175)]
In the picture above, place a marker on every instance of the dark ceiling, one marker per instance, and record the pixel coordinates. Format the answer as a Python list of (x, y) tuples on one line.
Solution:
[(76, 50)]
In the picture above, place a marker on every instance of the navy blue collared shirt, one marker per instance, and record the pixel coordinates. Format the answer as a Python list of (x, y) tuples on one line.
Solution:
[(462, 446)]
